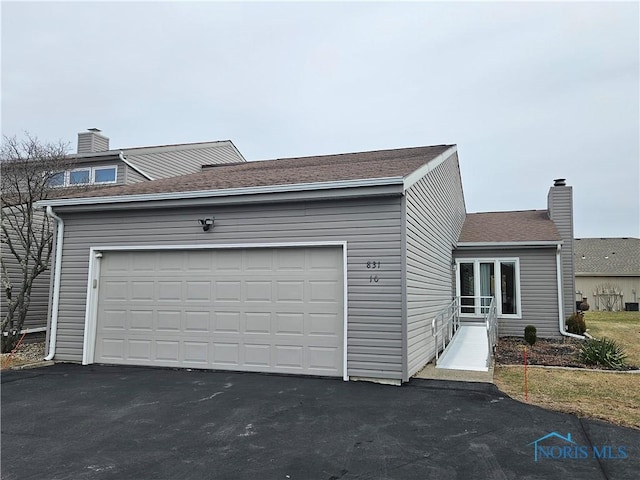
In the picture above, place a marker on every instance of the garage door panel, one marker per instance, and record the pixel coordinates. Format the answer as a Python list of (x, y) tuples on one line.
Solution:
[(289, 324), (257, 323), (140, 320), (225, 322), (197, 322), (290, 291), (198, 291), (323, 358), (272, 310), (258, 291)]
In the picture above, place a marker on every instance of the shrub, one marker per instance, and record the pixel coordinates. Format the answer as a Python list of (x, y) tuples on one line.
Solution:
[(530, 334), (575, 324), (603, 351)]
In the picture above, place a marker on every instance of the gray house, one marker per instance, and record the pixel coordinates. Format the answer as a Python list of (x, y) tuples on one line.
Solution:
[(95, 165), (608, 272), (331, 265)]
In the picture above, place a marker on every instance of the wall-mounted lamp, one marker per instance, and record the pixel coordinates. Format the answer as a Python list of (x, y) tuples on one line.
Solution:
[(206, 223)]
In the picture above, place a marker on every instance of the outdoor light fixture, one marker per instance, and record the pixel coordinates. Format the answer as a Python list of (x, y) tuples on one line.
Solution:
[(206, 223)]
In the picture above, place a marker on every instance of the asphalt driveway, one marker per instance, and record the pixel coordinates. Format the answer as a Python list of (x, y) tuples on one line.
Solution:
[(103, 422)]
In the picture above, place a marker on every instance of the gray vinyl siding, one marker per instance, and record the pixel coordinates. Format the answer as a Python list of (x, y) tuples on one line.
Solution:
[(39, 304), (132, 176), (560, 202), (435, 212), (371, 228), (173, 162), (538, 289)]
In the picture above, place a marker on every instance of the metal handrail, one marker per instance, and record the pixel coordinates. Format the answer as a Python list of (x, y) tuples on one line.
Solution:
[(444, 326), (491, 322), (480, 306)]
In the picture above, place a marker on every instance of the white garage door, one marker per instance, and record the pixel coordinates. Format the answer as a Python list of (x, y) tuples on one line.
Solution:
[(259, 309)]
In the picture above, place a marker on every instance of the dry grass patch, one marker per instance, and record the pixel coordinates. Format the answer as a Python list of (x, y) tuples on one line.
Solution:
[(614, 397), (623, 327)]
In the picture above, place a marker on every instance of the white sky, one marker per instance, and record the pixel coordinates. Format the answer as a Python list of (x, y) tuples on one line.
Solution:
[(528, 91)]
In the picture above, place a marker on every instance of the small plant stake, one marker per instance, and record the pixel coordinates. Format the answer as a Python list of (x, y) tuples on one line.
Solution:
[(526, 383)]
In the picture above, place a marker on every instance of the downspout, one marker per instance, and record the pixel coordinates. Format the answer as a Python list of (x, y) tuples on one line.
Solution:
[(560, 298), (56, 283)]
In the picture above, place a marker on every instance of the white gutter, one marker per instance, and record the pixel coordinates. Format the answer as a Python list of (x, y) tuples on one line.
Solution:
[(56, 283), (524, 243), (297, 187), (128, 163), (560, 298)]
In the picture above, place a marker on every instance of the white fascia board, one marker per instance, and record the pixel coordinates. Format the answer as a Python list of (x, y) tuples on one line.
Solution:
[(137, 169), (591, 274), (415, 176), (148, 197), (537, 243)]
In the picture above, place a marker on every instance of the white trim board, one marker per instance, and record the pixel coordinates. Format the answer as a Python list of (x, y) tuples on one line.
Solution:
[(148, 197), (95, 254)]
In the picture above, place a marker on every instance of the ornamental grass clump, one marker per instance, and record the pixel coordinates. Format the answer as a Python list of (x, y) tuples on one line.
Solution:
[(604, 352)]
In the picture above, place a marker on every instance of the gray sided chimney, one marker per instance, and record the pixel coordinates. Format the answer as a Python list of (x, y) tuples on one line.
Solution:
[(560, 208), (92, 141)]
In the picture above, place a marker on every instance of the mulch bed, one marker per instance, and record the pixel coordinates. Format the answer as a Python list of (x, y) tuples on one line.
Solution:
[(548, 352), (551, 352)]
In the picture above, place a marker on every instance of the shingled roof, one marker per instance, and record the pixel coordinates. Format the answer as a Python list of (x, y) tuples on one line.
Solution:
[(289, 171), (607, 256), (517, 226)]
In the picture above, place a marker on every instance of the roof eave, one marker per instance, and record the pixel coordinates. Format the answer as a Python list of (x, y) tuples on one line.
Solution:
[(607, 274), (423, 170), (228, 192), (519, 244)]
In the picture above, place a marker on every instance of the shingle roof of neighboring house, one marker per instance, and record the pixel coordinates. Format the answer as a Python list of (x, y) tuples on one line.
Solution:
[(517, 226), (166, 161), (613, 256), (288, 171)]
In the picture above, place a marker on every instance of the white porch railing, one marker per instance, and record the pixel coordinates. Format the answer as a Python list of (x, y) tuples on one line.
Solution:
[(444, 326), (476, 306), (491, 322), (447, 322)]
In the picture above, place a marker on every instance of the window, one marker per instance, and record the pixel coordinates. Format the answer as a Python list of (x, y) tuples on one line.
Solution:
[(57, 179), (85, 176), (79, 177), (104, 175), (491, 278)]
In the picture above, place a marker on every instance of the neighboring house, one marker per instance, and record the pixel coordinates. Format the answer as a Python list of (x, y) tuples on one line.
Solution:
[(95, 165), (608, 272), (332, 265)]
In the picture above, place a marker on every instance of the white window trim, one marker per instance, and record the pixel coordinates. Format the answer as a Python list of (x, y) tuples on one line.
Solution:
[(104, 167), (92, 176), (498, 285), (80, 169)]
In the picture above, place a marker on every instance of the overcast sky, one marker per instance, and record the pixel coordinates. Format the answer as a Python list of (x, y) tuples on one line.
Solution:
[(528, 91)]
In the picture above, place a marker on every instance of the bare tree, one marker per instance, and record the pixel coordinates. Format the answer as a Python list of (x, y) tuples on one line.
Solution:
[(28, 167), (608, 297)]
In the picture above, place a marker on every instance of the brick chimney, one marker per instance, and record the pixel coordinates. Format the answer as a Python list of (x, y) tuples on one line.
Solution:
[(560, 209), (92, 141)]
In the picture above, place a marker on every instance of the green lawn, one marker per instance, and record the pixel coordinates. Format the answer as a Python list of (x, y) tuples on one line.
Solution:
[(623, 327), (614, 397)]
